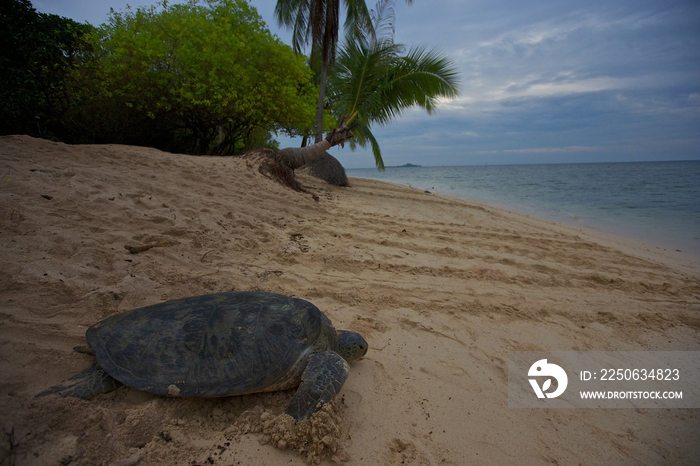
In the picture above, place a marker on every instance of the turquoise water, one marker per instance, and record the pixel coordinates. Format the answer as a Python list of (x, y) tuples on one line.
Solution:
[(654, 202)]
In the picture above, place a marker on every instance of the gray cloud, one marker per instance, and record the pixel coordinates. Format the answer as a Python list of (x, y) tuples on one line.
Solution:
[(557, 82)]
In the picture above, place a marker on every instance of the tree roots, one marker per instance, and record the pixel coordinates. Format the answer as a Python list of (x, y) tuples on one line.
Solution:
[(272, 166)]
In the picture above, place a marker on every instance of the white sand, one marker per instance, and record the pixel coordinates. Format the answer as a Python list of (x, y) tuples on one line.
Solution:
[(442, 289)]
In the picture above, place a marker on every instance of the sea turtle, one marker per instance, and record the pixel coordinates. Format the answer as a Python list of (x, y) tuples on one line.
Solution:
[(220, 344)]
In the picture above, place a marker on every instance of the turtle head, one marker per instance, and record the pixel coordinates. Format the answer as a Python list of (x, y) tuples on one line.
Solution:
[(351, 345)]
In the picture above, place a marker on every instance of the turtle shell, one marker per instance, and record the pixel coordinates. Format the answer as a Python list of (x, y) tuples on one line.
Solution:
[(212, 345)]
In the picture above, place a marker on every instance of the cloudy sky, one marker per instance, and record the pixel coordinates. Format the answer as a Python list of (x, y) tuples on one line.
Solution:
[(541, 81)]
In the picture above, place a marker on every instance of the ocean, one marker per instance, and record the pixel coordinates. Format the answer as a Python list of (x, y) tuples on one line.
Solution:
[(653, 202)]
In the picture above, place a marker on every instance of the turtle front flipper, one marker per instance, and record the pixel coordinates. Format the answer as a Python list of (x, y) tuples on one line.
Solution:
[(323, 378), (84, 385)]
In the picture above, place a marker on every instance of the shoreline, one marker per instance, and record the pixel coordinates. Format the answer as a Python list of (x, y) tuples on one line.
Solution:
[(442, 289), (633, 244)]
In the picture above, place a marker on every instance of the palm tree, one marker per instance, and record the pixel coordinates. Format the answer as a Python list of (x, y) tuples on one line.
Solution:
[(374, 82), (317, 22)]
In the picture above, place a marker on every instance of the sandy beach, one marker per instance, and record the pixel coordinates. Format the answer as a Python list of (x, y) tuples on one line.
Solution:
[(442, 289)]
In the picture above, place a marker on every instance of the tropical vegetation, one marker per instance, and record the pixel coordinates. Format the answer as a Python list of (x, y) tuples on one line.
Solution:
[(203, 77), (208, 77), (317, 23), (212, 68), (39, 52), (376, 80), (373, 81)]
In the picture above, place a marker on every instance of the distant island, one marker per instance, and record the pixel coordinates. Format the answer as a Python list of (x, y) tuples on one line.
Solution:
[(407, 165)]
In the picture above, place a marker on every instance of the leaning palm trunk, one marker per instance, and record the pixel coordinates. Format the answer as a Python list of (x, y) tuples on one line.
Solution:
[(280, 165), (296, 157)]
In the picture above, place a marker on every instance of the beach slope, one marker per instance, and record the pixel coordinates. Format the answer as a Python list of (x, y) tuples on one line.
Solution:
[(442, 289)]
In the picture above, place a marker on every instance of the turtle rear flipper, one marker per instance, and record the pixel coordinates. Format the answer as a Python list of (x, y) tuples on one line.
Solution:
[(83, 349), (323, 378), (84, 385)]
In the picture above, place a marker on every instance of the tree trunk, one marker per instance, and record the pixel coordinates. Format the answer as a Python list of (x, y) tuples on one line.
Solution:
[(320, 105), (295, 157), (280, 165), (330, 37)]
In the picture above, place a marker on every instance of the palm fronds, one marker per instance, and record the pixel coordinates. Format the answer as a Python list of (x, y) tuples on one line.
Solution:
[(375, 82)]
